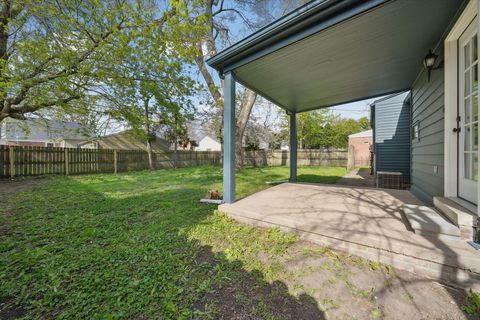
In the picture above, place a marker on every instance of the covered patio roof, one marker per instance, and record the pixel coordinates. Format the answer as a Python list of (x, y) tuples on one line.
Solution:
[(330, 52)]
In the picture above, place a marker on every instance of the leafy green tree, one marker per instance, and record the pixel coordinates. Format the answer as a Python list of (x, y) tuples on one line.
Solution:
[(322, 129), (59, 54), (312, 128), (364, 123), (155, 96), (341, 129)]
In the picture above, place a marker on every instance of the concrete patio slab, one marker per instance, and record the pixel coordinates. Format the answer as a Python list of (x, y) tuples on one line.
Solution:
[(363, 221)]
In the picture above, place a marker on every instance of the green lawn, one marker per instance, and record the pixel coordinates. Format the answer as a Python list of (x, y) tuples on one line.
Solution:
[(140, 245)]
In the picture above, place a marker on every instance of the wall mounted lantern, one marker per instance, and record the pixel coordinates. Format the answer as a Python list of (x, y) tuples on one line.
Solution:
[(429, 62)]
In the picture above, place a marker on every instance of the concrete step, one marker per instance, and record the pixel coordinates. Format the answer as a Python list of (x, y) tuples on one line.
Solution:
[(428, 222), (458, 214), (464, 216)]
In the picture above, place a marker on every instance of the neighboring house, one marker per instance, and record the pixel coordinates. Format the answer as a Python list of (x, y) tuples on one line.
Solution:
[(202, 137), (284, 146), (125, 140), (45, 133), (330, 52), (390, 119), (208, 143), (359, 145)]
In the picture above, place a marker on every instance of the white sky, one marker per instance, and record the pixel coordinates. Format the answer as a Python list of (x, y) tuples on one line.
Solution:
[(354, 110)]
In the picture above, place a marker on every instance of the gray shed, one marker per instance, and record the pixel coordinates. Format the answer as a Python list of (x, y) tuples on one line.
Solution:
[(390, 119)]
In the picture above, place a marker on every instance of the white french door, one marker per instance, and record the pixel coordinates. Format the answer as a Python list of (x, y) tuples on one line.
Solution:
[(468, 113)]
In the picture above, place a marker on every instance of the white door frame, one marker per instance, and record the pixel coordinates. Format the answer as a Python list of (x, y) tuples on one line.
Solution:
[(451, 97), (467, 186)]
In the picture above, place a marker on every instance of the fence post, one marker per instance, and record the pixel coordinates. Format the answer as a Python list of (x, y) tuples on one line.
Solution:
[(115, 161), (12, 161), (350, 158), (66, 161)]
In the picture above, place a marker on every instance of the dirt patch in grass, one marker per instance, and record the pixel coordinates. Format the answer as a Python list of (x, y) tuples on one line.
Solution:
[(245, 297), (10, 189), (9, 311), (349, 287), (21, 184)]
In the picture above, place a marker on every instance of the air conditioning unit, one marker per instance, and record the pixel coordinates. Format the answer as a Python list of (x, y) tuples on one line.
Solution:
[(391, 180)]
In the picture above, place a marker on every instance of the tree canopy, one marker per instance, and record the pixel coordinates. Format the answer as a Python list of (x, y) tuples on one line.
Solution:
[(322, 129), (69, 54)]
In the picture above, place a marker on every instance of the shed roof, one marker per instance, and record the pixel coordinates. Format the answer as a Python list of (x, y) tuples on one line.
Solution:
[(363, 134), (335, 51)]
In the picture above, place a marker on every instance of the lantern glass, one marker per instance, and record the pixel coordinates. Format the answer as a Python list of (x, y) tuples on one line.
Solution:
[(429, 60)]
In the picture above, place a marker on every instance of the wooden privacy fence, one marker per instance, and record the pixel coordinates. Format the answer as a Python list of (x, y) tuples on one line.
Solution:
[(30, 161), (305, 157)]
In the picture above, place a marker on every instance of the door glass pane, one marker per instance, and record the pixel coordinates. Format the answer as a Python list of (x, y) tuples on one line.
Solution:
[(475, 166), (467, 82), (466, 146), (466, 111), (466, 174), (474, 48), (466, 51), (475, 136), (475, 77), (475, 107)]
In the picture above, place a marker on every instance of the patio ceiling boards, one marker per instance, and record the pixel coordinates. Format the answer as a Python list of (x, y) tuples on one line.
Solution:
[(336, 51)]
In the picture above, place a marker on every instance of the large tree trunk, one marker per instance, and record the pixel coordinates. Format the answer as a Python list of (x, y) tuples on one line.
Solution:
[(208, 44), (150, 155), (175, 153), (241, 123), (5, 16), (150, 134)]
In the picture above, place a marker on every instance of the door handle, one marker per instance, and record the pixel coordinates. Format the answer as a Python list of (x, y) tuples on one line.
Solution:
[(456, 130)]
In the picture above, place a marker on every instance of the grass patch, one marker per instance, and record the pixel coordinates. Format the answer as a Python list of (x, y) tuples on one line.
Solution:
[(473, 305), (139, 245)]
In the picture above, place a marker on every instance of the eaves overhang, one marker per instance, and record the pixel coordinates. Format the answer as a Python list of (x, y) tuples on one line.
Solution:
[(300, 23), (332, 52)]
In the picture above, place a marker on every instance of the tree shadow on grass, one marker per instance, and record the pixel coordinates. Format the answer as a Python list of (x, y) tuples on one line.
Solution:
[(247, 295), (91, 254)]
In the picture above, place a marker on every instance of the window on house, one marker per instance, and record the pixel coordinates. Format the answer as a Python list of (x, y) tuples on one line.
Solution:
[(416, 132), (49, 145)]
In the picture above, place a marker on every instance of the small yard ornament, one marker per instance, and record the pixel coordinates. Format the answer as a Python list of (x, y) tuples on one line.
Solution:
[(213, 196)]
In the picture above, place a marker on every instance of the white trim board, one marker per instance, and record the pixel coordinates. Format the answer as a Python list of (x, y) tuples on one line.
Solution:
[(451, 97)]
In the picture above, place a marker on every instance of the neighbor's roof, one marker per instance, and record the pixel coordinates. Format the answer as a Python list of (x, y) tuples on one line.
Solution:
[(363, 134), (43, 129), (330, 52), (125, 140)]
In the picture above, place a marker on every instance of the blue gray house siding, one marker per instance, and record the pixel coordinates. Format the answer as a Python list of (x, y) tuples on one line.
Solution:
[(428, 111), (391, 133), (428, 150)]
